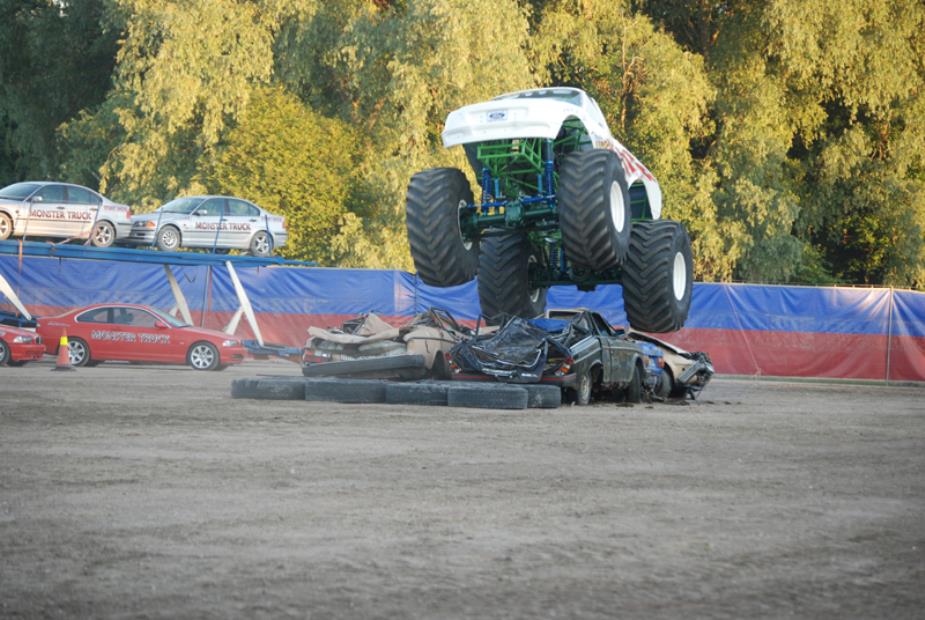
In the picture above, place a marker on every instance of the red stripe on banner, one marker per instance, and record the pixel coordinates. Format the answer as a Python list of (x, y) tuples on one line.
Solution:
[(907, 358), (793, 354)]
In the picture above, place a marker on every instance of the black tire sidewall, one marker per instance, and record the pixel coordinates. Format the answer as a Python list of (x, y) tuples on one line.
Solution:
[(438, 249), (87, 354), (215, 363), (4, 216), (161, 246), (96, 227), (5, 353), (253, 243)]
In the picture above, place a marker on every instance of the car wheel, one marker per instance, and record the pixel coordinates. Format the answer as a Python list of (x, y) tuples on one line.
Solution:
[(583, 390), (168, 239), (103, 235), (6, 226), (665, 384), (634, 389), (78, 352), (203, 356), (262, 244), (4, 353)]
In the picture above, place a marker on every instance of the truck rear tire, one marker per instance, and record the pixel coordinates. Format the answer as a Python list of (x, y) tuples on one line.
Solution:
[(658, 277), (434, 200), (504, 284), (594, 209)]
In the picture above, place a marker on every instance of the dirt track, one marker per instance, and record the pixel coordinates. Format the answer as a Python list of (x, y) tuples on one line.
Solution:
[(142, 491)]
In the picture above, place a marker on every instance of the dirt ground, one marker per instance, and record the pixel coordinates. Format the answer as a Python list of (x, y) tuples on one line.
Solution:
[(143, 491)]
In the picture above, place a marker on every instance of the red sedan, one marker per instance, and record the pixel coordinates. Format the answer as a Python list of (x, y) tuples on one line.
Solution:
[(130, 332), (18, 346)]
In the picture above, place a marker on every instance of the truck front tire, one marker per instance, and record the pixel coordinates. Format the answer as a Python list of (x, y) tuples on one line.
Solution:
[(442, 256)]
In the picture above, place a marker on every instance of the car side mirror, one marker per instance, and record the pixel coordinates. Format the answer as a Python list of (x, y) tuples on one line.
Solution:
[(159, 325), (37, 199)]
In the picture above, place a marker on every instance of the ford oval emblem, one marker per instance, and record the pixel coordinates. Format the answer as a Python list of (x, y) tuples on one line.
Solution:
[(497, 116)]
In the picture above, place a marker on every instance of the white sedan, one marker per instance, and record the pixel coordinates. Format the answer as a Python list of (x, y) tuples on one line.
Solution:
[(49, 209), (219, 222)]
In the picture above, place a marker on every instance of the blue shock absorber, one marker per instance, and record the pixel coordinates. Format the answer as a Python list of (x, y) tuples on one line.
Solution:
[(486, 188)]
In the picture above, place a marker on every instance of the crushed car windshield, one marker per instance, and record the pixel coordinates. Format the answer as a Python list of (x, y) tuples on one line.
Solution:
[(181, 205), (18, 191)]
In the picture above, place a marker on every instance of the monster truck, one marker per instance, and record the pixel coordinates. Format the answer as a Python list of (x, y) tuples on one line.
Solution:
[(561, 202)]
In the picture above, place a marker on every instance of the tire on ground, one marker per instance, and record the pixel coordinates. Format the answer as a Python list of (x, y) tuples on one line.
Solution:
[(433, 202), (543, 396), (594, 209), (396, 363), (634, 389), (504, 286), (78, 352), (492, 396), (658, 277), (288, 388), (244, 388), (345, 390), (416, 394)]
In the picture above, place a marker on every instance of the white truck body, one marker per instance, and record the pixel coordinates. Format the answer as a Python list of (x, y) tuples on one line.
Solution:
[(540, 113)]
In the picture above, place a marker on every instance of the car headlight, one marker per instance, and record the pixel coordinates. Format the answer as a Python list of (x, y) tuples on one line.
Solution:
[(229, 343), (22, 339)]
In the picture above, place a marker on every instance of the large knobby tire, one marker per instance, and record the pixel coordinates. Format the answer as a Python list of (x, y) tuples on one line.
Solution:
[(658, 277), (103, 235), (441, 255), (594, 209), (168, 239), (78, 352), (504, 286), (6, 226)]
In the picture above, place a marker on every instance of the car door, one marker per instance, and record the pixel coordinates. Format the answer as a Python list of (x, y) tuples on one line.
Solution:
[(202, 228), (95, 327), (243, 220), (47, 213), (152, 337), (82, 209)]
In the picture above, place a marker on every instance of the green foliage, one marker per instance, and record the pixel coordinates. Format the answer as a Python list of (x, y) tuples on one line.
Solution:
[(788, 136), (55, 59), (294, 162), (656, 98)]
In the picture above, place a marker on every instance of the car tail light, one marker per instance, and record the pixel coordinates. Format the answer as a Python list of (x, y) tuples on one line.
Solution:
[(310, 356), (128, 213), (285, 224), (565, 366)]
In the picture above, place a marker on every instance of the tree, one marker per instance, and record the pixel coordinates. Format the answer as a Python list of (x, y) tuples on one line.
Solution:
[(56, 58), (656, 99), (292, 161)]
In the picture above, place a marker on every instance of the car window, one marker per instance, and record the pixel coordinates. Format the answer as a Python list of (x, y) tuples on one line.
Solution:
[(181, 205), (18, 191), (602, 326), (82, 196), (168, 319), (100, 315), (240, 208), (212, 207), (133, 317), (51, 193)]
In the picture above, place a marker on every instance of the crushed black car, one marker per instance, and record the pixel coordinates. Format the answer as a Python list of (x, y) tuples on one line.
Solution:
[(580, 352)]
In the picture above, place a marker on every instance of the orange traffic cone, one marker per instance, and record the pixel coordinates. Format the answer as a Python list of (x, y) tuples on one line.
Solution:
[(64, 358)]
